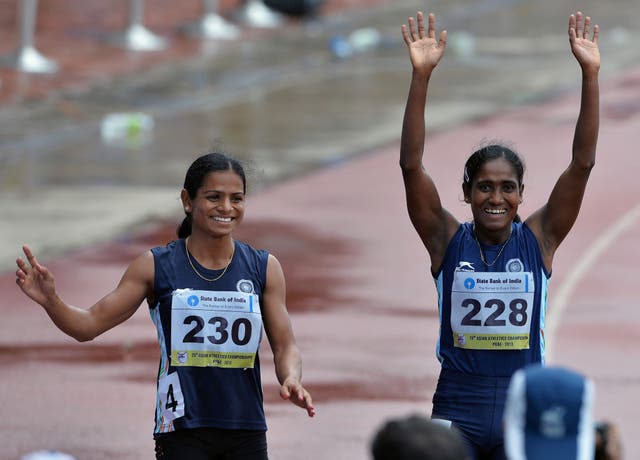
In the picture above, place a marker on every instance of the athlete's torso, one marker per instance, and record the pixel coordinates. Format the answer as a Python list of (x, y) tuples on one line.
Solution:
[(491, 317), (209, 335)]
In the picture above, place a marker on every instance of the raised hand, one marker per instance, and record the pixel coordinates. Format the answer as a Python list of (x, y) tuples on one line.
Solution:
[(424, 50), (584, 48), (35, 280)]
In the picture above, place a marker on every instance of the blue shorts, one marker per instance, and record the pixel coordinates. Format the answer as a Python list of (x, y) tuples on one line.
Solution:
[(211, 443), (474, 405)]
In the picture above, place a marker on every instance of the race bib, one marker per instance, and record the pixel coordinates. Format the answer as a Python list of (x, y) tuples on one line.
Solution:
[(171, 400), (492, 311), (215, 328)]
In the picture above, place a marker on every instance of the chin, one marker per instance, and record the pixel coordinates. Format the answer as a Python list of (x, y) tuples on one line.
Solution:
[(218, 233), (495, 224)]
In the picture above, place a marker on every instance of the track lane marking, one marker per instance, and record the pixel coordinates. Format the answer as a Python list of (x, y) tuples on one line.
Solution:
[(585, 263)]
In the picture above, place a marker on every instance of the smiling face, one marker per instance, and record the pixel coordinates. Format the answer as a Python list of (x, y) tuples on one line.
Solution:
[(494, 195), (218, 206)]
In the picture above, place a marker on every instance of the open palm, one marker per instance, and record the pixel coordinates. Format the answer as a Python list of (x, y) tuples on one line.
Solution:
[(424, 50), (584, 48), (35, 280)]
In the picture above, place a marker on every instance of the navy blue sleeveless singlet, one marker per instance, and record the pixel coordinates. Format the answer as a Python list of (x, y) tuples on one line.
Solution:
[(491, 324), (491, 317), (209, 334)]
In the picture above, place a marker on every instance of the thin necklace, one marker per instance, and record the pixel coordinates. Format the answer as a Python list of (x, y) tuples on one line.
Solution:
[(233, 250), (504, 245)]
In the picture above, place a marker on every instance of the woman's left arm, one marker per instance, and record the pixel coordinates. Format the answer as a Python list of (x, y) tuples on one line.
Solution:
[(552, 222), (286, 355)]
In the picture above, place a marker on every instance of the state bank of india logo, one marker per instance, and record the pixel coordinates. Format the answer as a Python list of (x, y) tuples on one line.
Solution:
[(514, 265), (193, 300), (245, 286)]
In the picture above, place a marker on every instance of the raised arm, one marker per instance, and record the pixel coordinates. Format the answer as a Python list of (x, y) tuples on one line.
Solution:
[(434, 224), (286, 355), (37, 282), (553, 221)]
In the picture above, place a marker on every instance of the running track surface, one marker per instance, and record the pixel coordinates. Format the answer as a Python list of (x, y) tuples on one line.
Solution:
[(361, 298)]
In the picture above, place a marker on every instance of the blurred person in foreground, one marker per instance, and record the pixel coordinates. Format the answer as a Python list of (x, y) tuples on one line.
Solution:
[(549, 416), (416, 437), (608, 443)]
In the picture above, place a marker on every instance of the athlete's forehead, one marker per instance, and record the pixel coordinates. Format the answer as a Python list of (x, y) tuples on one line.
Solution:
[(498, 170), (222, 181)]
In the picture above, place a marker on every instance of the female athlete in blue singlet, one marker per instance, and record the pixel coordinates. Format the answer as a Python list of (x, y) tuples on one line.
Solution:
[(492, 273), (210, 298)]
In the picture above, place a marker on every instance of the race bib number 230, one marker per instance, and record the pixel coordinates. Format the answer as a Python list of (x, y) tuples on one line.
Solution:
[(215, 328)]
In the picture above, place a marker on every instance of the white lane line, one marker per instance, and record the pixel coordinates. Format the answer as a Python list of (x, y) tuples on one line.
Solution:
[(588, 259)]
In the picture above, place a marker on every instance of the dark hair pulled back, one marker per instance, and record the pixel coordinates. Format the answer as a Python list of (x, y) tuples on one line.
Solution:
[(196, 174), (487, 153)]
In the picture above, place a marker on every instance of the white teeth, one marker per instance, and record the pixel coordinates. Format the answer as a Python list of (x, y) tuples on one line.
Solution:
[(495, 211), (222, 219)]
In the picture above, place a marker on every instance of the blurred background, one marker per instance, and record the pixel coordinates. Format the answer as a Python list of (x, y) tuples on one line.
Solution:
[(287, 94), (104, 104)]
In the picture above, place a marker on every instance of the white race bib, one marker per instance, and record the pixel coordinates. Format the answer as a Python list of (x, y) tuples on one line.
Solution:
[(215, 328), (492, 310), (171, 400)]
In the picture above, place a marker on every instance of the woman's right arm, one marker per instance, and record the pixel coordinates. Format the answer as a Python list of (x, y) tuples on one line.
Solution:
[(37, 282), (434, 224)]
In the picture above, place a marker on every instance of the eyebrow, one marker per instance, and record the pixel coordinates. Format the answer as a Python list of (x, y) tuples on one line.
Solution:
[(222, 191), (505, 181)]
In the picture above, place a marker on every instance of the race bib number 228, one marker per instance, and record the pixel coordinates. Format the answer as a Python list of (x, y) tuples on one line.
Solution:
[(492, 311)]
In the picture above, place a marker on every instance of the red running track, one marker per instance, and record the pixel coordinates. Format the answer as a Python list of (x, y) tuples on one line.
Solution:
[(362, 301)]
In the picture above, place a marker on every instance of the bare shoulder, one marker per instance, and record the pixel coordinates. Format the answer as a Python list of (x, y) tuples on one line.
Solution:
[(275, 273), (143, 264), (272, 260), (141, 271)]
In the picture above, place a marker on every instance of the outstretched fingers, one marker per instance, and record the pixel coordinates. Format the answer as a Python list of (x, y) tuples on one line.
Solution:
[(30, 257), (411, 33), (405, 34), (21, 272), (580, 28), (572, 27), (25, 269), (432, 25), (442, 38), (33, 262), (584, 48), (408, 32), (442, 41), (421, 31), (296, 393), (596, 32), (30, 270), (587, 25)]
